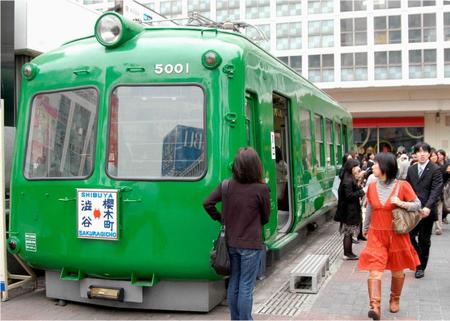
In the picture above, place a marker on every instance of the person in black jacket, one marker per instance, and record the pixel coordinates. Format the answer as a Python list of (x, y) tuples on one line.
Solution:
[(246, 210), (349, 207), (426, 180)]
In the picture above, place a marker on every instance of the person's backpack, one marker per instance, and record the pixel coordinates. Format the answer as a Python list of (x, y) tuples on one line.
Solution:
[(446, 196)]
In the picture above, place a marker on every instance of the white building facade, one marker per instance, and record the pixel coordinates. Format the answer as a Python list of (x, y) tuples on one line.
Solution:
[(387, 61)]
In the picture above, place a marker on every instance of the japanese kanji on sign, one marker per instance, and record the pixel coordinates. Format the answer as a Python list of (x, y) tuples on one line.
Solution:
[(97, 214)]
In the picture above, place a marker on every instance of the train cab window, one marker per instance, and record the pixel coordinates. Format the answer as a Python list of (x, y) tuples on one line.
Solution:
[(305, 130), (61, 137), (157, 132), (319, 141), (337, 143), (329, 153)]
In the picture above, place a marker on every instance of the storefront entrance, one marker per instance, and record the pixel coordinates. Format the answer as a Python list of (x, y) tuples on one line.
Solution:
[(387, 134)]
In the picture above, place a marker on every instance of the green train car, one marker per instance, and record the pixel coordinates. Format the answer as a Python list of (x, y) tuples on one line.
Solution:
[(122, 135)]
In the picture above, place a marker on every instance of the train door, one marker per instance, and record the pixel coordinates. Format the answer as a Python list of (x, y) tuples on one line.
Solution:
[(281, 121)]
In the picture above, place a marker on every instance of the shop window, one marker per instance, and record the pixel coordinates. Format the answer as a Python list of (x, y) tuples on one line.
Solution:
[(321, 68), (388, 65), (353, 32), (422, 27)]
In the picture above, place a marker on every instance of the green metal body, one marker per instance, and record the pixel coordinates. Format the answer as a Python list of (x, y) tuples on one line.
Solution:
[(164, 232)]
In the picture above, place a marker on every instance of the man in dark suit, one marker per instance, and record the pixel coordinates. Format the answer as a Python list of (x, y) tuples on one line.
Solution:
[(426, 180)]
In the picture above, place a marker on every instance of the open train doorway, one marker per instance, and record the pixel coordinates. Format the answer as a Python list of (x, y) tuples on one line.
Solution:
[(281, 123)]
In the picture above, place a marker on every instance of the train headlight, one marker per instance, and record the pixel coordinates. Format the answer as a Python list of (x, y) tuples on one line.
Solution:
[(112, 30)]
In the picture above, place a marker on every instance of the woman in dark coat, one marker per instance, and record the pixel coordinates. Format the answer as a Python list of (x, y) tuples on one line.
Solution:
[(349, 206)]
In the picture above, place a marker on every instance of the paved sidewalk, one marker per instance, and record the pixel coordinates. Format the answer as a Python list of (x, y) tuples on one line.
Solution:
[(345, 297), (342, 297)]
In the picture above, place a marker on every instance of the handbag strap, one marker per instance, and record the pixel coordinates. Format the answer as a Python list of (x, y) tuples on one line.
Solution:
[(224, 187), (397, 188)]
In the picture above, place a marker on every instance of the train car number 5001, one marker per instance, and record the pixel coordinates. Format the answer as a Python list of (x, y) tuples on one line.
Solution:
[(170, 68)]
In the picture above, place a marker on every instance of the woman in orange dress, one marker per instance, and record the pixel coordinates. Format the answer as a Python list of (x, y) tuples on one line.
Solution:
[(385, 249)]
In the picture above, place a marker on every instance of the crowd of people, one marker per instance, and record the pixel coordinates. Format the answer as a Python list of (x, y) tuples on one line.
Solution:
[(376, 185)]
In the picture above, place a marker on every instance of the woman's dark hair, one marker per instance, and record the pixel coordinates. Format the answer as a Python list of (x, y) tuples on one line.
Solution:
[(442, 152), (278, 154), (345, 158), (348, 168), (247, 167), (388, 165)]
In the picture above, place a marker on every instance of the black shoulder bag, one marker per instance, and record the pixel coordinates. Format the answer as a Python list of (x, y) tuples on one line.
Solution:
[(220, 259)]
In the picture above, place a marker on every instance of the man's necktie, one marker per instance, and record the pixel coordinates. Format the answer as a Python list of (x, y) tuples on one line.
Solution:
[(420, 170)]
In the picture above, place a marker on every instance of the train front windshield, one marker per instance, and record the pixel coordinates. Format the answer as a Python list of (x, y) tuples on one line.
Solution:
[(61, 136), (157, 132)]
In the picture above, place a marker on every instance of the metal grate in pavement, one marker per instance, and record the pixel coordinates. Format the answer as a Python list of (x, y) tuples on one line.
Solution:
[(285, 303)]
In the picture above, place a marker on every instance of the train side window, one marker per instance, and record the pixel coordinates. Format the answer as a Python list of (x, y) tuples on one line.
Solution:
[(305, 130), (329, 153), (345, 138), (337, 143), (157, 132), (61, 137), (320, 157)]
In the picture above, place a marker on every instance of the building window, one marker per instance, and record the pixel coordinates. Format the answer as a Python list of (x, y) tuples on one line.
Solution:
[(353, 5), (388, 65), (257, 35), (171, 9), (386, 4), (387, 30), (289, 8), (321, 34), (319, 141), (353, 32), (321, 68), (305, 128), (320, 6), (421, 3), (150, 5), (446, 26), (422, 63), (295, 62), (289, 35), (447, 62), (200, 6), (422, 27), (354, 66), (257, 9), (227, 10)]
